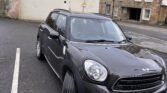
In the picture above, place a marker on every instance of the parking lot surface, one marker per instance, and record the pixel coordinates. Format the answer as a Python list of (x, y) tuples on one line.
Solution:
[(34, 76)]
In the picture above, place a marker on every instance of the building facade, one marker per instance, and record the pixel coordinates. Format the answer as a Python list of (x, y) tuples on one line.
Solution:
[(143, 11), (39, 9)]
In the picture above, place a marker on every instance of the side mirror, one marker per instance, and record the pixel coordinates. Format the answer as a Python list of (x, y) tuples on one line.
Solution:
[(129, 38), (42, 26), (54, 35)]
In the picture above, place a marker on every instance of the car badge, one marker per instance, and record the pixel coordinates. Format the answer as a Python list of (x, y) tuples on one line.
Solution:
[(146, 69)]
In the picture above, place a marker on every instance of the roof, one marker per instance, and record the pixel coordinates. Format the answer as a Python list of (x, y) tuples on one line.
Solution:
[(89, 15), (83, 15)]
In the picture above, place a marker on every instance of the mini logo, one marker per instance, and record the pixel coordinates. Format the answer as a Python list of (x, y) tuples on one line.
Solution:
[(146, 69)]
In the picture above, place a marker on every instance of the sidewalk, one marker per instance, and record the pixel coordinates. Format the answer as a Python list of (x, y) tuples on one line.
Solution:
[(156, 28), (145, 40), (148, 42)]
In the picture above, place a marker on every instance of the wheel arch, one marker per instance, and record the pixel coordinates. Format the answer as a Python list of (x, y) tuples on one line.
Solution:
[(38, 36), (75, 73), (64, 70)]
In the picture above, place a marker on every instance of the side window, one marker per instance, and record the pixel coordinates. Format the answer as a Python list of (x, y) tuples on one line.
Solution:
[(61, 24), (52, 19)]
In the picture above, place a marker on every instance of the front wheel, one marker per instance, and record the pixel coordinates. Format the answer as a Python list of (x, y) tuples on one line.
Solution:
[(39, 53), (69, 84)]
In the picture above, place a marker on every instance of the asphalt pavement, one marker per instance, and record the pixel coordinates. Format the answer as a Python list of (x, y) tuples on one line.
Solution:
[(34, 76)]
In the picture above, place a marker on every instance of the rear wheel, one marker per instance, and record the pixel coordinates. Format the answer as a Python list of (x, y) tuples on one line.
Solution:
[(39, 53), (69, 84)]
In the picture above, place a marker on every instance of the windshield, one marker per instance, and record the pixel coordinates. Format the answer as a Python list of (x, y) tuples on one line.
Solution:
[(83, 29)]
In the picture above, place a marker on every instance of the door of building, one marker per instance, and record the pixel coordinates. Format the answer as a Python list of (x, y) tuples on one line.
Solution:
[(134, 13)]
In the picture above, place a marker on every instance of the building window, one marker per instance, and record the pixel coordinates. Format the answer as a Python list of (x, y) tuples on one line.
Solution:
[(108, 8), (138, 0), (164, 2), (116, 12), (148, 0), (146, 14)]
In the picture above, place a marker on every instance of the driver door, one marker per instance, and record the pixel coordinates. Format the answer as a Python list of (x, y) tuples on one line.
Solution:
[(55, 45)]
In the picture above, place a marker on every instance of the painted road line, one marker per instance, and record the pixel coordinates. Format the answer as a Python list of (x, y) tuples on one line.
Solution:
[(16, 72)]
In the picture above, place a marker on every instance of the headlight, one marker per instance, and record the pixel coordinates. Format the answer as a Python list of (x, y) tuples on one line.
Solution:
[(95, 71), (164, 64), (161, 60)]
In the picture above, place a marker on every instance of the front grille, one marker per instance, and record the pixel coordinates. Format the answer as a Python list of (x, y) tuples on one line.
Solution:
[(138, 83)]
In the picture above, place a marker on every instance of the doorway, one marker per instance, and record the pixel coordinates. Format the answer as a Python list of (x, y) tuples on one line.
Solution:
[(134, 14)]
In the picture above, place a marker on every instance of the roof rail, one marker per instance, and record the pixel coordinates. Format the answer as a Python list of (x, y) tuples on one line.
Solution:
[(102, 15), (63, 10)]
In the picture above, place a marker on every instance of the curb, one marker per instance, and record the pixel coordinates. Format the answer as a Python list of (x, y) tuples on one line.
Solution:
[(144, 27), (149, 42)]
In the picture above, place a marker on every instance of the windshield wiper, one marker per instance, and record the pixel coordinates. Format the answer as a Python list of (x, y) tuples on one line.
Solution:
[(99, 40), (123, 41)]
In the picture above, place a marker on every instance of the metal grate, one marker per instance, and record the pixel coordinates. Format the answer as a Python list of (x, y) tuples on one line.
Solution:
[(138, 83)]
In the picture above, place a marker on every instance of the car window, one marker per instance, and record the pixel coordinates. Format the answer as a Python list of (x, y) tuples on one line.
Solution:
[(93, 29), (61, 23), (51, 21)]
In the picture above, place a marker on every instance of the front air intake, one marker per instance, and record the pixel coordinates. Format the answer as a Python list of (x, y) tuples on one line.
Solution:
[(138, 83)]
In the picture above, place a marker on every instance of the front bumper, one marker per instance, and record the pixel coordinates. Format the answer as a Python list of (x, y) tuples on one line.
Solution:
[(93, 88)]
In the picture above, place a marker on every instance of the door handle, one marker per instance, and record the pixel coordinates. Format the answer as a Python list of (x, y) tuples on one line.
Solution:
[(49, 38), (42, 27), (41, 30)]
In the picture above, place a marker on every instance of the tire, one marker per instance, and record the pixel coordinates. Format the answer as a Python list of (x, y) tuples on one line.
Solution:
[(39, 52), (69, 84)]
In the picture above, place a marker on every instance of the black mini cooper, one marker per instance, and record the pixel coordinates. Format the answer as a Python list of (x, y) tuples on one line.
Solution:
[(91, 54)]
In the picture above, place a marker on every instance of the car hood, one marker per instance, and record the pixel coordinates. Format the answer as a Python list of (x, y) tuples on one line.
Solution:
[(121, 59)]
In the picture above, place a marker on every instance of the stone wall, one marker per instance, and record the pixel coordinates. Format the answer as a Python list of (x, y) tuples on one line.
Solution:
[(155, 10), (158, 12), (124, 12), (163, 15), (131, 3), (2, 7), (102, 8)]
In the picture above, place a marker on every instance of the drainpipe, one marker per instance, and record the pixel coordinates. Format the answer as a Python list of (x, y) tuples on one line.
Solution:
[(84, 6), (113, 8), (160, 2)]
